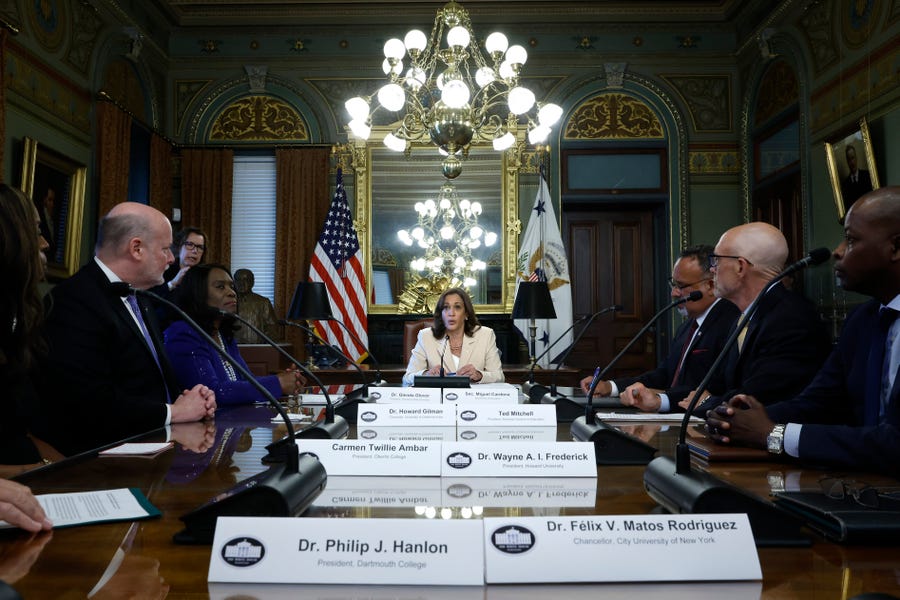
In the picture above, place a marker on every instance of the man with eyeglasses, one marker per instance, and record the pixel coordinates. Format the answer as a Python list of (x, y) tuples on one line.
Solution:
[(849, 415), (694, 348), (784, 343)]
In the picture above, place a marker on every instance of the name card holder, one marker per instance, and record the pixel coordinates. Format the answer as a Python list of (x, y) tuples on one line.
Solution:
[(394, 395), (502, 459), (479, 414), (419, 414), (382, 457), (488, 393)]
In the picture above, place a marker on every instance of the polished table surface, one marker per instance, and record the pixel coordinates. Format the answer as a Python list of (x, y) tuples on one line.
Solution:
[(393, 374), (210, 457)]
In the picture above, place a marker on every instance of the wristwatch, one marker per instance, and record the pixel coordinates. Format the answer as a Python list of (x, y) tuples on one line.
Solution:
[(775, 440)]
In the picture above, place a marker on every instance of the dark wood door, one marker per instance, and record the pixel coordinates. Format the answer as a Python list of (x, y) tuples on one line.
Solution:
[(611, 262), (778, 202)]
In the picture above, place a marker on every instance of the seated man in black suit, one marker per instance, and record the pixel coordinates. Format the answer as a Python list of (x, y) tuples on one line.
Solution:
[(102, 381), (695, 346), (849, 416), (785, 342)]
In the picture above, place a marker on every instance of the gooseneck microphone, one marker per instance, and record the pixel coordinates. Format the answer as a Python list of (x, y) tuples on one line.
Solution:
[(551, 395), (443, 352), (280, 491), (379, 380), (678, 488), (331, 426), (619, 448)]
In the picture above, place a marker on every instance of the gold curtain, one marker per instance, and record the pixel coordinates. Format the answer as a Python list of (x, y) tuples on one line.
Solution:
[(303, 197), (113, 155), (161, 174), (207, 180)]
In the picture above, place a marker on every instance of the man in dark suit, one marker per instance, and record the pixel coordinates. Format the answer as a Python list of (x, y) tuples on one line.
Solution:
[(858, 182), (849, 416), (695, 346), (102, 380), (785, 342)]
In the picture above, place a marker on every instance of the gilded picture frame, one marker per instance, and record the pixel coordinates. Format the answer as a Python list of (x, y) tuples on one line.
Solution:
[(843, 157), (56, 185)]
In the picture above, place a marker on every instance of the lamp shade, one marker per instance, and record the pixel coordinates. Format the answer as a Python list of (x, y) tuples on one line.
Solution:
[(533, 301), (310, 302)]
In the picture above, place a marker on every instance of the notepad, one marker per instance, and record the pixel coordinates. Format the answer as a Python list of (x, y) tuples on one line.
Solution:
[(659, 417), (99, 506), (148, 449)]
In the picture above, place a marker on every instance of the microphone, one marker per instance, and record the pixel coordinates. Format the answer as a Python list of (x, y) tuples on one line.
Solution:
[(679, 489), (550, 396), (280, 491), (443, 352), (331, 427), (612, 446), (354, 397), (379, 380)]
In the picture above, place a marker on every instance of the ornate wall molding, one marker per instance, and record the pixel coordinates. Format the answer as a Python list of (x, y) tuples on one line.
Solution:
[(613, 116), (708, 98), (258, 119)]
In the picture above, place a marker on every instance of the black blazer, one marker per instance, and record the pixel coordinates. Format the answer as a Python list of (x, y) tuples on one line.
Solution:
[(832, 409), (701, 355), (785, 344), (100, 382)]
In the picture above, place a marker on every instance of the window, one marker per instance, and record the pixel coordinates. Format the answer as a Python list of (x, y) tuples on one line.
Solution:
[(253, 220)]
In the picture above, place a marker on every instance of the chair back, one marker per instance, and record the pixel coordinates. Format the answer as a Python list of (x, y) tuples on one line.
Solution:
[(411, 331)]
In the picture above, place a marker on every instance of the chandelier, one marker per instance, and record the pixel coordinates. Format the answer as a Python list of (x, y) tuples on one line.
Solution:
[(447, 230), (454, 94)]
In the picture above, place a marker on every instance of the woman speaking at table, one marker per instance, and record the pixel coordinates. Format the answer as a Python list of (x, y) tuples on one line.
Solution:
[(456, 343), (205, 291)]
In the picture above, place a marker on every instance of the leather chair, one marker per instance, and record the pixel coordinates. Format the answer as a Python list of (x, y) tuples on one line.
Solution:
[(411, 331)]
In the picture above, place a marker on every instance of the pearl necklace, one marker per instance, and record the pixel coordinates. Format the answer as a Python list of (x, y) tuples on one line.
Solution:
[(229, 368)]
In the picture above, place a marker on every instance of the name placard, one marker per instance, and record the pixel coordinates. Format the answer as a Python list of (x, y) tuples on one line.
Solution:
[(361, 457), (552, 492), (360, 551), (505, 434), (381, 491), (480, 414), (488, 393), (717, 547), (418, 414), (501, 459), (391, 395), (434, 434)]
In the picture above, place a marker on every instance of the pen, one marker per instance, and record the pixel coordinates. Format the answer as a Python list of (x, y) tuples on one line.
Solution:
[(594, 381)]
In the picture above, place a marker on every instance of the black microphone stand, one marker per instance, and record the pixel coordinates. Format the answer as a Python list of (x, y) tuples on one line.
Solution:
[(330, 427), (566, 409), (279, 491), (535, 391), (347, 408), (612, 446), (680, 489)]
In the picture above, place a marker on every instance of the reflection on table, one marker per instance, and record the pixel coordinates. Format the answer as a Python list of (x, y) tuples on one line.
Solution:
[(114, 559)]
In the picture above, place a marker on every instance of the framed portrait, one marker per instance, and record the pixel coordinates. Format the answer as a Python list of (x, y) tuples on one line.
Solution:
[(851, 166), (56, 185)]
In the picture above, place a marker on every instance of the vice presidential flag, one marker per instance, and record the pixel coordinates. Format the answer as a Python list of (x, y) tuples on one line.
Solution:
[(542, 257), (338, 263)]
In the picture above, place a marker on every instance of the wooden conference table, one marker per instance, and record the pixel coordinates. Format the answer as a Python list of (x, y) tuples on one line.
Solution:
[(68, 563)]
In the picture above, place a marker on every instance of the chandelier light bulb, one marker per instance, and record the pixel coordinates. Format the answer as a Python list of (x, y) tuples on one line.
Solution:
[(478, 265), (521, 100), (465, 512), (460, 261), (394, 143), (447, 232), (469, 282), (445, 204), (476, 232), (358, 108), (415, 41), (485, 76), (392, 97), (455, 93), (394, 48), (490, 238), (420, 208), (474, 244), (517, 55), (504, 141), (549, 114), (415, 78), (507, 72), (430, 512), (418, 233), (360, 128), (476, 208), (458, 38), (404, 237), (397, 67), (538, 134), (496, 43), (423, 244)]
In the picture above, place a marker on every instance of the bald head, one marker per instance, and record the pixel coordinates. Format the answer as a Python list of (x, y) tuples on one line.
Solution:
[(134, 241), (751, 255), (881, 207)]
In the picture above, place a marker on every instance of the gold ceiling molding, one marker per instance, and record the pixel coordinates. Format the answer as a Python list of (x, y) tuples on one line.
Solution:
[(708, 98), (778, 89), (714, 160), (613, 117), (259, 118)]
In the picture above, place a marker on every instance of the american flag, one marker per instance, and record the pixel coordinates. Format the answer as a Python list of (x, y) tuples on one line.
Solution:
[(338, 263)]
